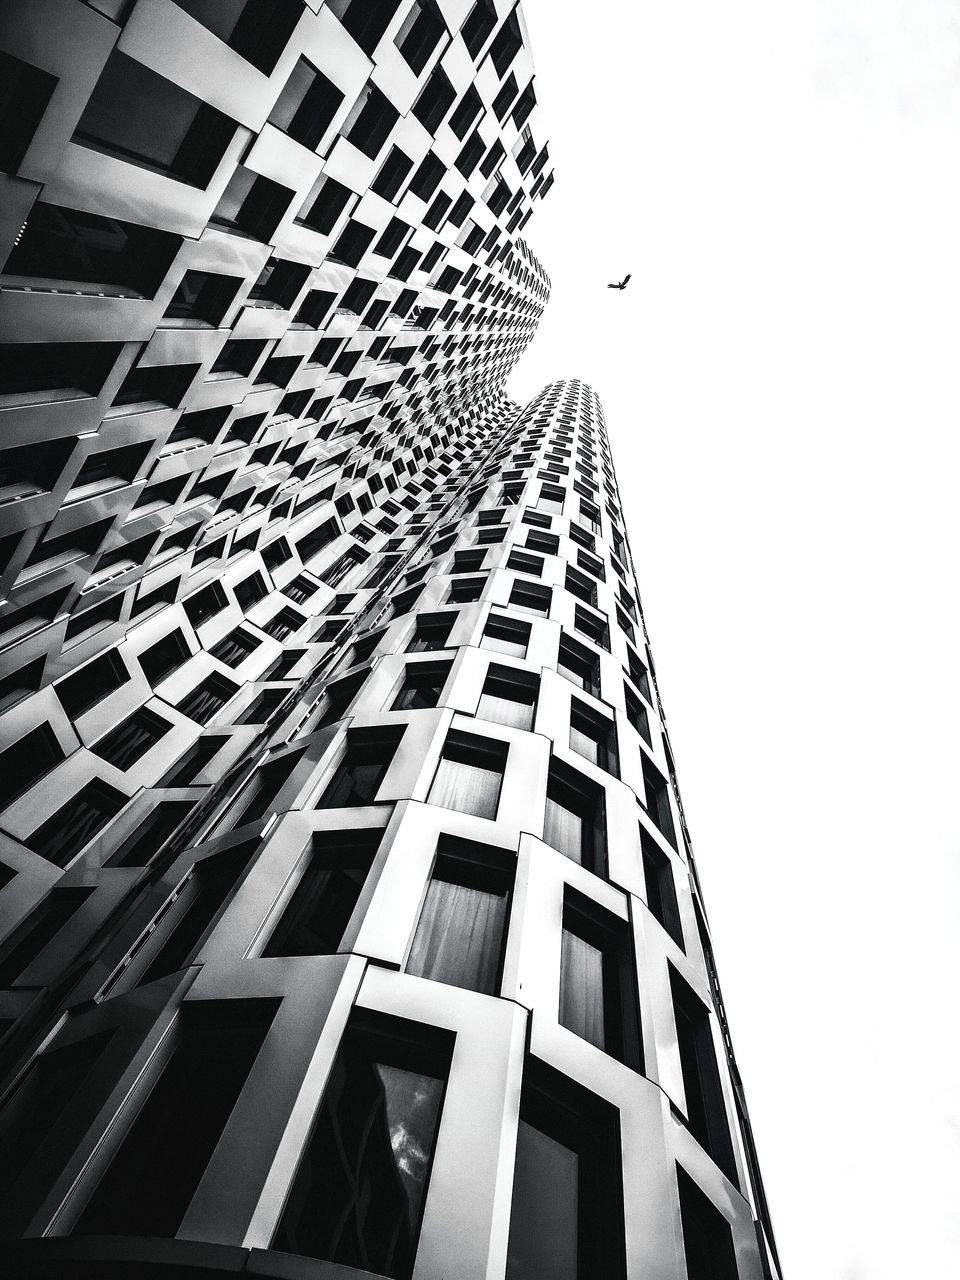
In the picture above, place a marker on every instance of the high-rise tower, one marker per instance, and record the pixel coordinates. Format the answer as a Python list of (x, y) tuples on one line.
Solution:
[(348, 922)]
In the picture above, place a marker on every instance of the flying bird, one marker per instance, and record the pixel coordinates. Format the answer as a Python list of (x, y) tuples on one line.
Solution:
[(623, 283)]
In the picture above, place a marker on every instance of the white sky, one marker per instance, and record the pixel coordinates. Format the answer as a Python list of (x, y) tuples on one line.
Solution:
[(782, 390)]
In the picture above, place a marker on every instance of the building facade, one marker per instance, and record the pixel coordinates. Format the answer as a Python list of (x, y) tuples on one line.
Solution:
[(348, 921)]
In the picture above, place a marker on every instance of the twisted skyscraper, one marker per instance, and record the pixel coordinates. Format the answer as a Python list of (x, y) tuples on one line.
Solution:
[(348, 923)]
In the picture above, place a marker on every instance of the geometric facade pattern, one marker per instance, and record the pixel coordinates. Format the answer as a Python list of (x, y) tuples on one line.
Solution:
[(348, 922)]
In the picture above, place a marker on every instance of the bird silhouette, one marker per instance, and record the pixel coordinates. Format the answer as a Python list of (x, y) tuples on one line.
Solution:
[(623, 283)]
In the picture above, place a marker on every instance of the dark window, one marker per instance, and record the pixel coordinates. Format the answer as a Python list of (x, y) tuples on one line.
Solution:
[(422, 685), (661, 888), (132, 738), (62, 837), (26, 762), (151, 833), (371, 125), (509, 697), (593, 626), (366, 20), (706, 1113), (237, 356), (235, 647), (420, 34), (594, 737), (193, 762), (461, 932), (317, 913), (366, 759), (598, 981), (307, 105), (506, 635), (152, 1178), (566, 1222), (30, 367), (253, 204), (427, 177), (657, 800), (707, 1239), (25, 91), (284, 623), (359, 1192), (637, 715), (324, 205), (531, 597), (41, 926), (164, 383), (432, 631), (250, 590), (279, 283), (481, 20), (392, 173), (202, 295), (203, 702), (466, 590), (67, 244), (468, 108), (434, 101), (353, 242), (205, 604), (339, 695), (140, 116), (579, 665), (574, 818), (164, 656), (256, 29), (469, 775)]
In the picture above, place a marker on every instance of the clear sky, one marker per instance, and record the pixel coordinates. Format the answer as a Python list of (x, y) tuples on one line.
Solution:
[(782, 388)]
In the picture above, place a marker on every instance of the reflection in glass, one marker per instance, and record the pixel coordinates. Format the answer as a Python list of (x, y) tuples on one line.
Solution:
[(544, 1218)]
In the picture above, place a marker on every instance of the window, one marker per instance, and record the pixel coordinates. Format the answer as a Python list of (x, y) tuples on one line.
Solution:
[(506, 635), (531, 597), (594, 737), (566, 1221), (598, 982), (26, 761), (593, 626), (467, 111), (579, 665), (263, 706), (253, 204), (195, 759), (203, 702), (432, 631), (703, 1092), (661, 888), (72, 827), (422, 685), (154, 1174), (581, 587), (466, 590), (324, 205), (150, 834), (523, 563), (165, 656), (392, 173), (574, 818), (420, 34), (509, 697), (657, 800), (434, 101), (258, 32), (367, 757), (317, 913), (26, 92), (469, 775), (132, 738), (41, 926), (372, 118), (204, 296), (67, 244), (307, 105), (461, 932), (637, 715), (359, 1192), (707, 1240), (138, 115)]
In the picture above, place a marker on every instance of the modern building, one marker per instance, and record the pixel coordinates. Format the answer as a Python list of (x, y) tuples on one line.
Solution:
[(348, 920)]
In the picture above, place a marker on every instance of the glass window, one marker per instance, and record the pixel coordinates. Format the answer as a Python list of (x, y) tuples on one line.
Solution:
[(573, 818), (460, 935), (359, 1192), (598, 986), (357, 778), (566, 1220), (705, 1110), (315, 918), (506, 635), (661, 888), (469, 775), (422, 685), (509, 697), (707, 1240)]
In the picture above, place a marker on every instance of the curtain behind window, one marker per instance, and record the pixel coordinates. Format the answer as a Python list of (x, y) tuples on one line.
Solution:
[(466, 787), (459, 936), (505, 711), (581, 988), (563, 829)]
